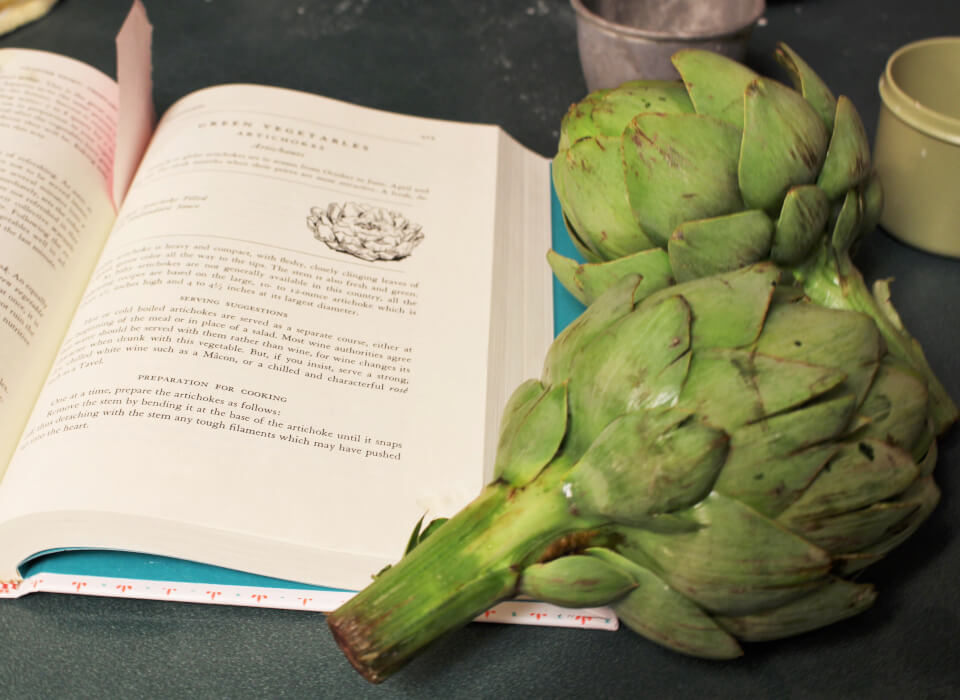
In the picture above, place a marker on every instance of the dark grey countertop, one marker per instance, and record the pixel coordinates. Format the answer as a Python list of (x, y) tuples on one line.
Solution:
[(515, 64)]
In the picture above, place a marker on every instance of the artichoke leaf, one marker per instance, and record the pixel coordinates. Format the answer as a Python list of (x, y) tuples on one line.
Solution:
[(421, 533), (810, 85), (577, 122), (532, 435), (928, 460), (860, 474), (679, 167), (616, 108), (800, 225), (565, 270), (770, 485), (871, 203), (646, 463), (587, 281), (784, 144), (640, 361), (858, 529), (847, 226), (723, 243), (715, 83), (576, 580), (581, 245), (847, 162), (834, 601), (659, 613), (615, 303), (729, 309), (925, 493), (521, 400), (806, 332), (732, 387), (586, 173), (738, 562), (895, 405), (785, 434)]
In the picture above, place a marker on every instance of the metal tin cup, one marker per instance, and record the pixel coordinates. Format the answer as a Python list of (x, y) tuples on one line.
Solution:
[(917, 149), (622, 40)]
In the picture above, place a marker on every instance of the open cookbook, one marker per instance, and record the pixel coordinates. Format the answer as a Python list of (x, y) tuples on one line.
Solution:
[(254, 344)]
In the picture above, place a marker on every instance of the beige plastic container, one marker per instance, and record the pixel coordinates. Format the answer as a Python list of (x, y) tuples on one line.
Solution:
[(917, 149)]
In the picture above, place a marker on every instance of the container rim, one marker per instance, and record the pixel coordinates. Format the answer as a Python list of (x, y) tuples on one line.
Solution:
[(584, 13), (907, 108)]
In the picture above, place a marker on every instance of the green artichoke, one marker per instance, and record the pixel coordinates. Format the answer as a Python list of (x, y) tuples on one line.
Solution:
[(721, 169), (711, 459)]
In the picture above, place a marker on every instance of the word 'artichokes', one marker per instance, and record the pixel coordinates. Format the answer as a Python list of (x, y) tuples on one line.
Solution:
[(724, 168), (711, 459), (367, 232)]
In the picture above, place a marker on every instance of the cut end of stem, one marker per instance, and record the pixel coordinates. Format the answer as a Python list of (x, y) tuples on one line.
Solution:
[(350, 638)]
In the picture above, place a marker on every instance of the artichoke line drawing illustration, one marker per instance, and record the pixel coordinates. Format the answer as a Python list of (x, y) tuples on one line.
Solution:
[(365, 231)]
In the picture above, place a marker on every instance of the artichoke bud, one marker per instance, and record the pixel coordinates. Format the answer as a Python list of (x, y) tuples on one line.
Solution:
[(576, 580), (680, 180), (646, 463), (534, 424)]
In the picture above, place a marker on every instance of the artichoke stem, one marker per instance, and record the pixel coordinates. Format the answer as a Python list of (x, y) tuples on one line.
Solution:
[(832, 280), (470, 563)]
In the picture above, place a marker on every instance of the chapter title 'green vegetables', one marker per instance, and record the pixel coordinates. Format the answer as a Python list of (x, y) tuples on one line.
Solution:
[(712, 459), (724, 168)]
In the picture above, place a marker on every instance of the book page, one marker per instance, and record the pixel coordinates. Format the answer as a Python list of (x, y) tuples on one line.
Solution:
[(57, 125), (286, 339)]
